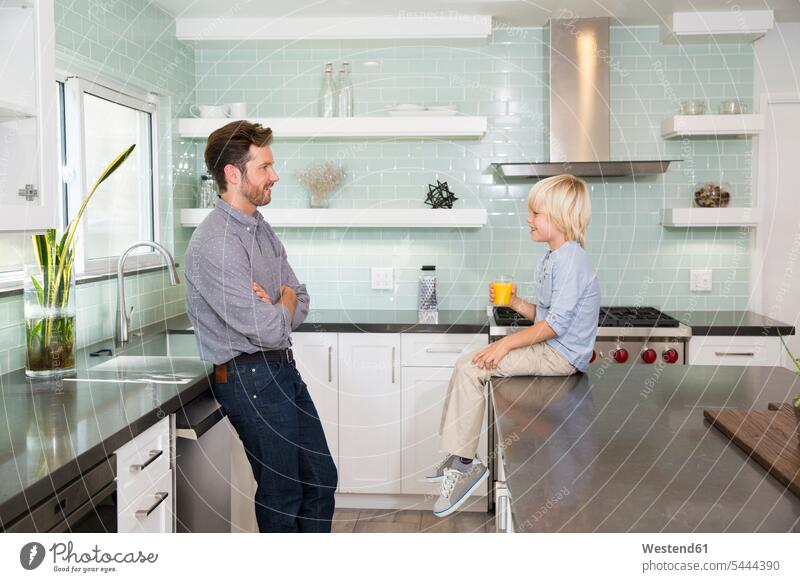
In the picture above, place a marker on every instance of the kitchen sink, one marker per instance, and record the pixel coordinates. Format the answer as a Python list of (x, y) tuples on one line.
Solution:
[(164, 358)]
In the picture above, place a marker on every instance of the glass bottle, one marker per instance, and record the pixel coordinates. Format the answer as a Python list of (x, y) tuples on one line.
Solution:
[(327, 96), (344, 91)]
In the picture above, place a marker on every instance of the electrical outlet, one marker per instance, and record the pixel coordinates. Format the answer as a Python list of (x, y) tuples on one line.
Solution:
[(382, 277), (700, 280)]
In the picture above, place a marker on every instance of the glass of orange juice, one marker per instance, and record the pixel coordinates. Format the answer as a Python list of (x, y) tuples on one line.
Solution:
[(502, 290)]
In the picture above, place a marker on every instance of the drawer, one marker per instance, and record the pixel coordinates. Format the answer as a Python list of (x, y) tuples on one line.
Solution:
[(142, 460), (734, 351), (439, 350), (150, 512)]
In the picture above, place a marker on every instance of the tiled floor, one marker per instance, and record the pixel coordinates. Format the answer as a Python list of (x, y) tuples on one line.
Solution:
[(410, 521)]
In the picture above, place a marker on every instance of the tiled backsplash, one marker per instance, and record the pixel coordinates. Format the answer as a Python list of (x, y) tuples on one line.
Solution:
[(132, 43), (637, 260)]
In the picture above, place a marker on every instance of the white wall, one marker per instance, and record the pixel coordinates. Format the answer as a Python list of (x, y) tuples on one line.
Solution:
[(776, 268)]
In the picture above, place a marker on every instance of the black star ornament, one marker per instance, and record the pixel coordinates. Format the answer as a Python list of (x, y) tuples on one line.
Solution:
[(439, 196)]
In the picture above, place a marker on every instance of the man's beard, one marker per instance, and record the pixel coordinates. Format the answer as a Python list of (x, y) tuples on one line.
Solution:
[(254, 194)]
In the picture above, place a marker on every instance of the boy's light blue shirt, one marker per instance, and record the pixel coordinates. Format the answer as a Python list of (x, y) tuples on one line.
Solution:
[(569, 300)]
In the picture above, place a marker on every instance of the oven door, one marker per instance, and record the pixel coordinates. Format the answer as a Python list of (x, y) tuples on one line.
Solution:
[(87, 504)]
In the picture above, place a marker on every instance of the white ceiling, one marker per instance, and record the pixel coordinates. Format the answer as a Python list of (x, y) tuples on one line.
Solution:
[(506, 12)]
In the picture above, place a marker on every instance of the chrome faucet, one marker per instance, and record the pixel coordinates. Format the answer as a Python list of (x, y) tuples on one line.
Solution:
[(123, 315)]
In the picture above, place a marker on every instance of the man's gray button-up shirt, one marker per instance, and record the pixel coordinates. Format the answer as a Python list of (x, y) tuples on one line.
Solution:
[(229, 251)]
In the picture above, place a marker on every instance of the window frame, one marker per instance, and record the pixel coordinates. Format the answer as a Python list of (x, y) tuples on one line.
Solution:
[(77, 183)]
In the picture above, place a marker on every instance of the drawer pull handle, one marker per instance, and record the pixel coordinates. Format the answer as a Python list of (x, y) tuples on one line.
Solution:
[(734, 353), (393, 354), (455, 350), (141, 467), (330, 366), (160, 497)]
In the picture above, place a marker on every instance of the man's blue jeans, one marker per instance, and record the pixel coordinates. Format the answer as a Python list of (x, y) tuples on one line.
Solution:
[(269, 406)]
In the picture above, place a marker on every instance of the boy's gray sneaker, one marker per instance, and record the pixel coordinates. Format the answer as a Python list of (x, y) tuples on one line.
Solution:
[(457, 486), (438, 472)]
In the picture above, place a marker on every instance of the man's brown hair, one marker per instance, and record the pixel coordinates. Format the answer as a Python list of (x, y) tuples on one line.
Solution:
[(230, 144)]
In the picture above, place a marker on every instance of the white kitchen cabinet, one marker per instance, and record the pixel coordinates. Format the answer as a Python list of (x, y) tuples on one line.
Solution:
[(317, 358), (151, 511), (424, 391), (735, 351), (428, 362), (28, 117), (144, 481), (369, 413)]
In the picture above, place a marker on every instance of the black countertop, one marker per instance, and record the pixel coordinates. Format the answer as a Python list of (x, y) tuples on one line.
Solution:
[(627, 449), (54, 430), (703, 323), (379, 321), (731, 323)]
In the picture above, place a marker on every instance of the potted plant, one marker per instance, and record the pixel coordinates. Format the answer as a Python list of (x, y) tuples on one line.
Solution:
[(796, 362), (49, 294)]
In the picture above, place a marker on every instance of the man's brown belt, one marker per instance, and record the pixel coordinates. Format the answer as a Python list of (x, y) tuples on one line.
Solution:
[(270, 357)]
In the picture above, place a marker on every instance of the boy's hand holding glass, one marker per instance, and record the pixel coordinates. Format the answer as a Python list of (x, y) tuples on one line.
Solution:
[(503, 292)]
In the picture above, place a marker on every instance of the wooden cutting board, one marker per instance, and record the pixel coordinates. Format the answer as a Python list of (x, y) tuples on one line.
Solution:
[(768, 436)]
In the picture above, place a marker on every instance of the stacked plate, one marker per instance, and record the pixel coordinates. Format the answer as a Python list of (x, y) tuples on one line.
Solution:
[(410, 110)]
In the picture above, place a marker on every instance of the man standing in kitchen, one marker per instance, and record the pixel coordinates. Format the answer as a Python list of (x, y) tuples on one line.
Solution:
[(244, 300)]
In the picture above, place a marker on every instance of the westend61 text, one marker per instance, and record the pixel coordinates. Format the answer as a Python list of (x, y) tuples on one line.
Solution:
[(669, 549)]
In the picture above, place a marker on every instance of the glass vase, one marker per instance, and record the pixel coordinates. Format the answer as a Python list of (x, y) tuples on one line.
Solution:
[(318, 200), (49, 323)]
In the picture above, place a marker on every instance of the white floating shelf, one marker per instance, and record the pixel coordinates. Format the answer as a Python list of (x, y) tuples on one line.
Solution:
[(358, 217), (346, 27), (710, 217), (711, 125), (713, 28), (346, 127), (11, 111)]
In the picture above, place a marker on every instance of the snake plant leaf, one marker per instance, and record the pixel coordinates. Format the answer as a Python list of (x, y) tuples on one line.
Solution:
[(39, 290), (795, 360), (66, 246)]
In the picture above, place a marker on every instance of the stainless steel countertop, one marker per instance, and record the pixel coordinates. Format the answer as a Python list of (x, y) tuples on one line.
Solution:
[(627, 449)]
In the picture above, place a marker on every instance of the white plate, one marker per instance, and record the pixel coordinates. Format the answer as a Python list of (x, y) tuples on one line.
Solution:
[(424, 113)]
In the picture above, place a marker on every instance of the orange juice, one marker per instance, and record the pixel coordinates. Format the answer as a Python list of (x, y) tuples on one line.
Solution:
[(502, 292)]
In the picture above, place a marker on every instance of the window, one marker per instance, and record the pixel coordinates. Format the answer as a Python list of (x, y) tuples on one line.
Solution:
[(96, 124), (100, 124)]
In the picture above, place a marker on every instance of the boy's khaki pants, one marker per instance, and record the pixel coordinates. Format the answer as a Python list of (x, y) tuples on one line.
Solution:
[(463, 407)]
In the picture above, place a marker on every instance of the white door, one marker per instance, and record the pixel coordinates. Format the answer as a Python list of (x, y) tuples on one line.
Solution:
[(369, 413), (316, 356), (28, 114), (424, 392), (778, 271)]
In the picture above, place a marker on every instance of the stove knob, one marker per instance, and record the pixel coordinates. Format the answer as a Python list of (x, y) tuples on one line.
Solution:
[(670, 356), (594, 357), (649, 356), (621, 355)]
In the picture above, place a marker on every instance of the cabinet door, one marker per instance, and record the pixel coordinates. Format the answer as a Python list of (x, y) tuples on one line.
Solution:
[(316, 356), (28, 117), (424, 391), (369, 413)]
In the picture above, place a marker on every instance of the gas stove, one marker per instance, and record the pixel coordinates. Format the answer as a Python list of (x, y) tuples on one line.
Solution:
[(625, 335)]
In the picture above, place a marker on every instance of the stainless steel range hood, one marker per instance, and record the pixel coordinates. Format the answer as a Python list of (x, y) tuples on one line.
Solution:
[(580, 112)]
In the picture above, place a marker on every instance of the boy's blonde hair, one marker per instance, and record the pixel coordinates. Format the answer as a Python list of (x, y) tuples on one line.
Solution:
[(565, 200)]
